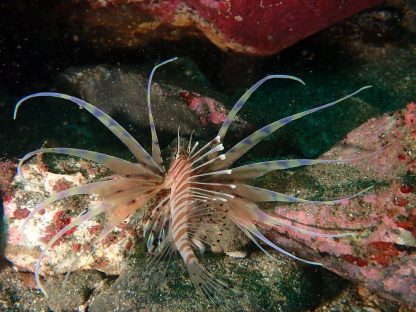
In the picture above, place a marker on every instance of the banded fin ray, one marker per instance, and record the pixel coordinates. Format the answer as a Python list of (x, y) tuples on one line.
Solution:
[(117, 165), (154, 228), (257, 194), (157, 156), (87, 216), (156, 211), (238, 150), (243, 99), (91, 188), (256, 170), (108, 228), (252, 232), (257, 216), (135, 148), (242, 215), (102, 188), (158, 263)]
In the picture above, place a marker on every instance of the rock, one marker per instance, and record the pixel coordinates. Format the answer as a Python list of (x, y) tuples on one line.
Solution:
[(256, 28), (75, 293), (380, 254), (7, 171), (120, 91), (409, 13), (353, 298), (18, 291), (23, 253), (17, 295), (123, 92)]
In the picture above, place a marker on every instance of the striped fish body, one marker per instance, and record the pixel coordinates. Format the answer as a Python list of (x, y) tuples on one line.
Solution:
[(180, 203)]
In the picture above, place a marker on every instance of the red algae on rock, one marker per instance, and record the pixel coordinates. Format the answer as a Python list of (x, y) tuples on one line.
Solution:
[(23, 254), (355, 260), (207, 109), (383, 252), (59, 221), (20, 214), (252, 27)]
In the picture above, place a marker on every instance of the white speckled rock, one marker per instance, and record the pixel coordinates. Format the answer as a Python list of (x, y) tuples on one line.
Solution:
[(23, 253)]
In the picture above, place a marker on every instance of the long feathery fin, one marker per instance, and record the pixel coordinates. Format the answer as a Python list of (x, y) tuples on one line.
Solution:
[(253, 239), (256, 194), (101, 188), (190, 143), (155, 142), (243, 99), (61, 233), (91, 188), (178, 148), (156, 271), (251, 228), (244, 215), (246, 144), (92, 247), (155, 232), (257, 216), (117, 165), (160, 251), (192, 155), (136, 149), (163, 204), (215, 290)]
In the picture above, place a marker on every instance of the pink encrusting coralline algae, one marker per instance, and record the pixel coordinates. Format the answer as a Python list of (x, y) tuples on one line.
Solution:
[(199, 187), (381, 254), (207, 109)]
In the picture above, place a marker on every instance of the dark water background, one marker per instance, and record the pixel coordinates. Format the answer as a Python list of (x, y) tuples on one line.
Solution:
[(37, 45)]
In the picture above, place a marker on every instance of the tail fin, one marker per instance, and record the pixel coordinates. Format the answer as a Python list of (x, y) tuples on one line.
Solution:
[(216, 291)]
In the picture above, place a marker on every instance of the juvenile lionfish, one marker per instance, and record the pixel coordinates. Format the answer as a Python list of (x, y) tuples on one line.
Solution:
[(199, 182)]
